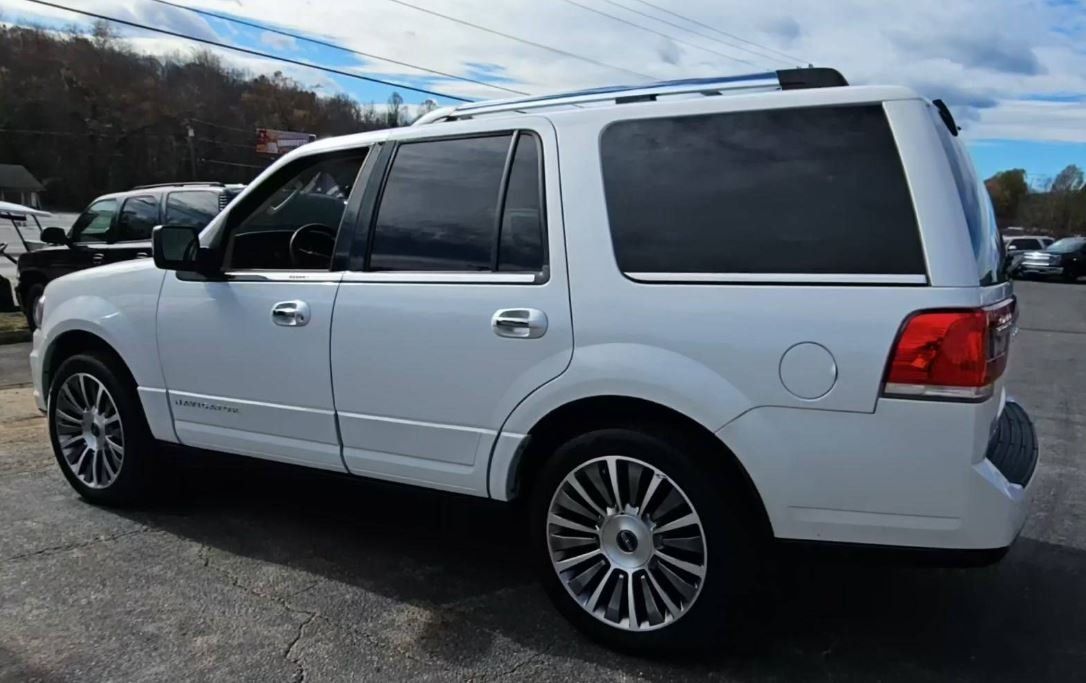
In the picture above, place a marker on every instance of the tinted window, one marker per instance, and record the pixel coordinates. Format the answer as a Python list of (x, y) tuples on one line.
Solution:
[(817, 190), (439, 206), (139, 216), (314, 196), (193, 208), (1068, 245), (1023, 244), (979, 215), (93, 224), (521, 240)]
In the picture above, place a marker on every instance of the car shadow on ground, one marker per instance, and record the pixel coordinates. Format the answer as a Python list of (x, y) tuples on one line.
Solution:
[(817, 614)]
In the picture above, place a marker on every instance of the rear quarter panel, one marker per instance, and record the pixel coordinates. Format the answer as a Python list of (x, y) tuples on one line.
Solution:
[(714, 351)]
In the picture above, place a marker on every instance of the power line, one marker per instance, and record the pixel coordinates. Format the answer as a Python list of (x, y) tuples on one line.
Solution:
[(518, 39), (247, 131), (317, 41), (248, 51), (220, 162), (660, 33), (698, 33), (723, 33)]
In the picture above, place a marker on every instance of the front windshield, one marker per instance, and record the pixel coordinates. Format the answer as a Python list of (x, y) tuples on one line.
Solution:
[(1067, 245)]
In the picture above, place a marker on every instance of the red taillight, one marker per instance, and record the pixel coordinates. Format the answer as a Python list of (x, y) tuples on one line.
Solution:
[(951, 354)]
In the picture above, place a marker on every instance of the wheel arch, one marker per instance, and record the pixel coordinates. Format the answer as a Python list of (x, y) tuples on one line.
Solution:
[(75, 341), (596, 412), (28, 279)]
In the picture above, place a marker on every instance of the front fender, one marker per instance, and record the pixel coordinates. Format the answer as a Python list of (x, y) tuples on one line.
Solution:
[(118, 304), (131, 335), (628, 370)]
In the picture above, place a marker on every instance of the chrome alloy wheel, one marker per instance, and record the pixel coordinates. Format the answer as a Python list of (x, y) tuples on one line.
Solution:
[(89, 430), (626, 543)]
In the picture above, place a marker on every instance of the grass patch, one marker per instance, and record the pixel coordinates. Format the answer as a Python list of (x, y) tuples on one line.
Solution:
[(12, 322)]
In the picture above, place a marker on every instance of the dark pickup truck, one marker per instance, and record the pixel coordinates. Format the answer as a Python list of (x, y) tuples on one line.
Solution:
[(116, 227)]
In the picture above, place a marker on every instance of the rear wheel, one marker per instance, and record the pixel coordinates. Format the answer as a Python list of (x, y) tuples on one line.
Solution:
[(98, 430), (639, 541)]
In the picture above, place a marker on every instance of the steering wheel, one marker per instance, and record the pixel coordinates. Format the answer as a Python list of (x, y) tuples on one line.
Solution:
[(311, 246)]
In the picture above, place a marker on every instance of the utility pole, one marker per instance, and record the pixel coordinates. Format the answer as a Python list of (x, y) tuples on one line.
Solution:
[(192, 150)]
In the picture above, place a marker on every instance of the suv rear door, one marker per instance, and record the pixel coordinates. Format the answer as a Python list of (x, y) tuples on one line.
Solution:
[(456, 306)]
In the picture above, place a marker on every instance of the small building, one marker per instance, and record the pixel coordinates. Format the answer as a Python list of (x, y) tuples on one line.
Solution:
[(19, 186)]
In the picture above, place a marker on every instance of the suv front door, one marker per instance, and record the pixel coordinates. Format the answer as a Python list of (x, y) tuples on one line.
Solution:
[(245, 356), (457, 305)]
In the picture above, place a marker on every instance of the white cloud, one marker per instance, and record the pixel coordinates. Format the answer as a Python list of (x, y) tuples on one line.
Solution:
[(278, 41), (1020, 119)]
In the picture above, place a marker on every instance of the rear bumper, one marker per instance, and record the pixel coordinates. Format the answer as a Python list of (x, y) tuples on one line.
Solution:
[(913, 474)]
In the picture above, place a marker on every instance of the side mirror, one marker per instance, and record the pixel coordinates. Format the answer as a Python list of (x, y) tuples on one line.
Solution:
[(54, 236), (177, 247)]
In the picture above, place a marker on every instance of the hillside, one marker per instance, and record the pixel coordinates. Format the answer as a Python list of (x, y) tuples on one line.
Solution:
[(87, 115)]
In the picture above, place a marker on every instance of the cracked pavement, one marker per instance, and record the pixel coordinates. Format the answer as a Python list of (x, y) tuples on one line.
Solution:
[(248, 571)]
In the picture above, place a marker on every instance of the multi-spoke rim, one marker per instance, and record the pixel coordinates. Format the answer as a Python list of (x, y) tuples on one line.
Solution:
[(627, 543), (89, 430)]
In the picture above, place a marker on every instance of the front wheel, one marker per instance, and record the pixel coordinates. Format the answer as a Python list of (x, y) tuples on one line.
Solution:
[(98, 431), (639, 541), (30, 302)]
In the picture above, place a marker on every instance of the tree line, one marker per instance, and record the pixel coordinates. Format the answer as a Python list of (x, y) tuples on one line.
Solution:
[(86, 114), (1056, 207)]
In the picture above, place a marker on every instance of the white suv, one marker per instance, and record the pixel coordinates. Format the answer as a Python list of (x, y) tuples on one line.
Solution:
[(676, 321)]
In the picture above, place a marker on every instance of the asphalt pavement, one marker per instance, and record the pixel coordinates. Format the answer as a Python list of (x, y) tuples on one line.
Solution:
[(250, 571), (14, 365)]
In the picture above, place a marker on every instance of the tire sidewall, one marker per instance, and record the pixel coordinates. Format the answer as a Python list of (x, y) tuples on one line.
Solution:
[(33, 293), (130, 483), (728, 538)]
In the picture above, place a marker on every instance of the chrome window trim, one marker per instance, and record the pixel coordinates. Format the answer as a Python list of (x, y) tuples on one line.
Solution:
[(403, 276), (282, 276), (919, 391), (784, 278)]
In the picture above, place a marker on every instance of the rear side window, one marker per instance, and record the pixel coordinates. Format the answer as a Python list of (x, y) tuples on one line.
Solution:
[(788, 191), (461, 204), (521, 238), (139, 216), (194, 208), (1025, 244), (979, 215)]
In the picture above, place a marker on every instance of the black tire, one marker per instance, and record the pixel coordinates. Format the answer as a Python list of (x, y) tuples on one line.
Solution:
[(135, 477), (730, 535), (30, 300)]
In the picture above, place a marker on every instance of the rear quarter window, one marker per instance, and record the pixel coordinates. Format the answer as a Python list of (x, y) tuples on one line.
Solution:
[(787, 191)]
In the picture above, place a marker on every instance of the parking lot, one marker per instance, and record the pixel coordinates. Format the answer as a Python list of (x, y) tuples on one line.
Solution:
[(247, 571)]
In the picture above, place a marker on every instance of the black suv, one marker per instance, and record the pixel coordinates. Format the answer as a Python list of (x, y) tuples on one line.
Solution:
[(116, 227)]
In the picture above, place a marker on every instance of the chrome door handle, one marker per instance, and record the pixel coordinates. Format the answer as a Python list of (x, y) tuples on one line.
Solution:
[(290, 313), (98, 257), (519, 323)]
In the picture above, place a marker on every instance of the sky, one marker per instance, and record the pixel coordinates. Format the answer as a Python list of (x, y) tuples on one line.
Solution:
[(1013, 71)]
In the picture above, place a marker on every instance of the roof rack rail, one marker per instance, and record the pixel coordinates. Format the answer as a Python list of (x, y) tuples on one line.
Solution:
[(214, 183), (784, 79)]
